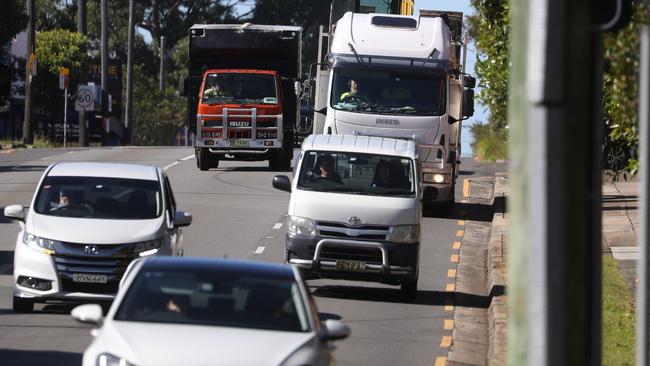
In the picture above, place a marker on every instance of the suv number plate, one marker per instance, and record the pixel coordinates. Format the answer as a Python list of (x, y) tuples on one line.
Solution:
[(355, 266), (89, 278)]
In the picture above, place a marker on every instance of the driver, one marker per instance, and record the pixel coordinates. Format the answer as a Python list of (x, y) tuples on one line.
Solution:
[(353, 92)]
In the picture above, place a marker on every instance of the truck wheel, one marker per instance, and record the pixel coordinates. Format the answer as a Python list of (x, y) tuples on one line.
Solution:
[(22, 305), (409, 288), (279, 161), (205, 160)]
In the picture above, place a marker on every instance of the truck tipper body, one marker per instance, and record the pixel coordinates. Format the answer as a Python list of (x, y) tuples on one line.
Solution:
[(401, 77), (241, 92)]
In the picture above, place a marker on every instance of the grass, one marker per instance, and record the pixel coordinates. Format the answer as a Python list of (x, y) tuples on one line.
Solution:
[(489, 144), (618, 317), (39, 142)]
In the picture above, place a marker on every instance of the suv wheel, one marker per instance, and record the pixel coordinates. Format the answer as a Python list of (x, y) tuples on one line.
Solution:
[(22, 305)]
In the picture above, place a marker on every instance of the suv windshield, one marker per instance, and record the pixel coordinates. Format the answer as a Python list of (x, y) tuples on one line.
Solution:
[(388, 92), (205, 297), (357, 173), (229, 88), (99, 198)]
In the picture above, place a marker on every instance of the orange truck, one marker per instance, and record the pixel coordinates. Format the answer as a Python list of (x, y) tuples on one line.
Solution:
[(242, 93)]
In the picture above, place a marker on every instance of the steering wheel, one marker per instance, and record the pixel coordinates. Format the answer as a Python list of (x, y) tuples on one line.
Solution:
[(355, 99)]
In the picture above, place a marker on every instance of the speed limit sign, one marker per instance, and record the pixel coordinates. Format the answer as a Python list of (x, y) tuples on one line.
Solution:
[(85, 100)]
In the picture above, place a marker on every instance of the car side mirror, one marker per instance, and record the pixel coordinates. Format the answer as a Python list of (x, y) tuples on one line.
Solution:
[(88, 314), (334, 330), (16, 212), (282, 183), (182, 218)]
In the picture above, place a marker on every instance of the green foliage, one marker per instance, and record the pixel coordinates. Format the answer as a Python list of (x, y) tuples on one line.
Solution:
[(489, 28), (618, 317), (13, 19), (620, 87), (489, 144)]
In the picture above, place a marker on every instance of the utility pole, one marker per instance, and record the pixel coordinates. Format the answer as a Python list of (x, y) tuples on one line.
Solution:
[(555, 230), (128, 123), (81, 28), (161, 81), (104, 51), (28, 131)]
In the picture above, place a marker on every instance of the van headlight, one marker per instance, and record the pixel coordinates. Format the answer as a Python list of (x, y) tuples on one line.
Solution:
[(37, 243), (407, 234), (147, 248), (301, 226), (107, 359)]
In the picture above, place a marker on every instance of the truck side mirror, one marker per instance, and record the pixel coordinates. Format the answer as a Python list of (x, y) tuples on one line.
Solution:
[(469, 81), (468, 103), (322, 111), (182, 86)]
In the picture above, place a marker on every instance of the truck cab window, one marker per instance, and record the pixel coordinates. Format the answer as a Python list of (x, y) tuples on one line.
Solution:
[(239, 88)]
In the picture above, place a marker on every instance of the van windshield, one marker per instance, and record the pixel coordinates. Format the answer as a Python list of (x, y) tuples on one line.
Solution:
[(230, 88), (388, 92), (99, 198), (367, 174)]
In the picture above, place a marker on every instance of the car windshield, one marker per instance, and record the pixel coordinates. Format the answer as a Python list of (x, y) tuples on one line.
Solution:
[(99, 198), (214, 298), (229, 88), (368, 174), (388, 92)]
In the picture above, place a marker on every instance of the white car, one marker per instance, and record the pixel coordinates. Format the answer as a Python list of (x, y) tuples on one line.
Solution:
[(85, 224), (204, 311)]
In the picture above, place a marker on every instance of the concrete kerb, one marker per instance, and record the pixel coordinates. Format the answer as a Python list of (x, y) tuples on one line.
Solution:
[(497, 251)]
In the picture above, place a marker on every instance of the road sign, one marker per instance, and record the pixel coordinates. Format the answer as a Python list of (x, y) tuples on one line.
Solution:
[(64, 78), (85, 100)]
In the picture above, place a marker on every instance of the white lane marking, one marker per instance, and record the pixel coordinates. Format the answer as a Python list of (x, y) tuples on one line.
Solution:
[(277, 226), (625, 253), (259, 250), (45, 158), (171, 165), (187, 158)]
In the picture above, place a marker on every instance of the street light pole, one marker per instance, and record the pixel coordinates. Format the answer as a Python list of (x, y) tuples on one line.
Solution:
[(28, 131), (128, 123)]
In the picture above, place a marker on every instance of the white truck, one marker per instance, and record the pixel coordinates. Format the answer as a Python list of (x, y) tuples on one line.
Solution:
[(401, 77)]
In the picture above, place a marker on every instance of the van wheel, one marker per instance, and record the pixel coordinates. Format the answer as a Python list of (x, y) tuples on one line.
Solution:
[(22, 305), (409, 289)]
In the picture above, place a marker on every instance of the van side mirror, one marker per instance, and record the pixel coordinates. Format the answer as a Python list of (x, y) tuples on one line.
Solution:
[(182, 218), (282, 183), (468, 103), (182, 86)]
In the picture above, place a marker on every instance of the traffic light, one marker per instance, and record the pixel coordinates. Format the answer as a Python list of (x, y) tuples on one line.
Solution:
[(612, 15)]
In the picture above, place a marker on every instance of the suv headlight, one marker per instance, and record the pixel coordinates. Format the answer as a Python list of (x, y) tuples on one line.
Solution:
[(407, 234), (107, 359), (147, 248), (42, 245), (301, 226)]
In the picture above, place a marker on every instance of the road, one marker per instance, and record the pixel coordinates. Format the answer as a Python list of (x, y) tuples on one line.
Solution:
[(237, 214)]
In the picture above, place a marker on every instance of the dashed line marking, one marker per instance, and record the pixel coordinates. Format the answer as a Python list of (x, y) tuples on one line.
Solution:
[(445, 342), (451, 273), (451, 287), (461, 222), (171, 165), (440, 361), (277, 226), (465, 188), (456, 245), (259, 250), (270, 237), (463, 201), (188, 158), (460, 233), (454, 258), (449, 324), (47, 158)]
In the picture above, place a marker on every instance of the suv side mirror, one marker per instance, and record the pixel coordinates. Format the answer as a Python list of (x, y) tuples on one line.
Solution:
[(282, 183)]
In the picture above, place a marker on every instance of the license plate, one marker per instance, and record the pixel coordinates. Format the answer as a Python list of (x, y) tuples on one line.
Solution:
[(239, 143), (239, 123), (355, 266), (89, 278)]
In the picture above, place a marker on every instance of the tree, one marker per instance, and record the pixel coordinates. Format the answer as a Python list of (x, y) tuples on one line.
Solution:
[(13, 18)]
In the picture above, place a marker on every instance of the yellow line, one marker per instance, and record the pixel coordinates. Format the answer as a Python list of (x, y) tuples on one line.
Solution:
[(463, 201), (456, 245), (440, 361), (465, 188), (454, 258), (451, 273), (449, 307), (445, 342), (460, 233), (449, 324), (461, 222), (451, 287)]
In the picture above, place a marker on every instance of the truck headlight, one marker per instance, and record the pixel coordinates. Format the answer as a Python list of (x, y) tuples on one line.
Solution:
[(407, 234), (147, 248), (301, 226), (107, 359), (42, 245), (437, 178)]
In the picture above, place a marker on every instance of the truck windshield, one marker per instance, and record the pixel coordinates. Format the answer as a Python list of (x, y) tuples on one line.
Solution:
[(229, 88), (388, 92), (367, 174)]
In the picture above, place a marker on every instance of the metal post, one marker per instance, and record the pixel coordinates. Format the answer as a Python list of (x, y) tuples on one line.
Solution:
[(28, 132), (161, 82), (128, 123), (65, 117), (104, 46), (643, 289), (82, 28), (555, 221)]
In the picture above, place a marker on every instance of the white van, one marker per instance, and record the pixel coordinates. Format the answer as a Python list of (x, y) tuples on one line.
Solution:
[(355, 209)]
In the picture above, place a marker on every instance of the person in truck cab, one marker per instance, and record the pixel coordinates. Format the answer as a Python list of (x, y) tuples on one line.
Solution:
[(353, 92)]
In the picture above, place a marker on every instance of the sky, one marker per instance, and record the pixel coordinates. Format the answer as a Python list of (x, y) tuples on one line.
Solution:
[(459, 5)]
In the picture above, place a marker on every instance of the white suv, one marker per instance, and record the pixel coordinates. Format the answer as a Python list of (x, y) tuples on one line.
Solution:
[(85, 224)]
